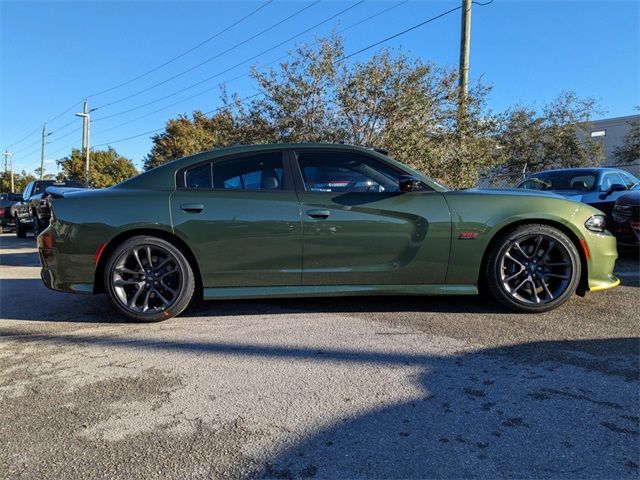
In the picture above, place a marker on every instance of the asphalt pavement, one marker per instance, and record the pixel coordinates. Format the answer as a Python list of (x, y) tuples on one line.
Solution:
[(387, 387)]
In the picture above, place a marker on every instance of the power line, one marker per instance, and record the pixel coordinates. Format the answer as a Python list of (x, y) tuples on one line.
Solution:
[(391, 37), (173, 77), (48, 121), (345, 57), (162, 128), (216, 35), (37, 142), (189, 87), (148, 72), (246, 74)]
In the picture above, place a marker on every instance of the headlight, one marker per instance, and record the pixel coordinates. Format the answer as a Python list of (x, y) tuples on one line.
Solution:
[(596, 223)]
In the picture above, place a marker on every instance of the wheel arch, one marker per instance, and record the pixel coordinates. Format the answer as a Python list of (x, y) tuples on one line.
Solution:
[(583, 284), (109, 248)]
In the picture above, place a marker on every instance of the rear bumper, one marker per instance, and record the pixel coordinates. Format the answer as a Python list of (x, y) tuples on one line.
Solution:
[(63, 272)]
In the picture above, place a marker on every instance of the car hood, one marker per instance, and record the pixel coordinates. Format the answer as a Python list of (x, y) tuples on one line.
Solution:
[(518, 192)]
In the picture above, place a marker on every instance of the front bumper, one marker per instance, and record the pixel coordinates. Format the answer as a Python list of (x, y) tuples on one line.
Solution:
[(601, 253)]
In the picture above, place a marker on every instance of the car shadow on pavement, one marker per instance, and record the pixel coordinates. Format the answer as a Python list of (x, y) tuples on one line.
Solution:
[(550, 409), (18, 304), (11, 241), (19, 259)]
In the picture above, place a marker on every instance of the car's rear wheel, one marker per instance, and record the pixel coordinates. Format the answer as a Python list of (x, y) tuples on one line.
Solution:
[(21, 231), (148, 279), (533, 268)]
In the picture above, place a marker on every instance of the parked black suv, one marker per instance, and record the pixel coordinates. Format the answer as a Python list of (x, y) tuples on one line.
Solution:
[(31, 212), (7, 201)]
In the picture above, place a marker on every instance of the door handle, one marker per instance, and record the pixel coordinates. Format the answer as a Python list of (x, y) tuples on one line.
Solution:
[(192, 207), (321, 214)]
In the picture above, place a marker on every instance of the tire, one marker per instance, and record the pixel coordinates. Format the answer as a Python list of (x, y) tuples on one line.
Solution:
[(21, 231), (36, 226), (532, 268), (153, 284)]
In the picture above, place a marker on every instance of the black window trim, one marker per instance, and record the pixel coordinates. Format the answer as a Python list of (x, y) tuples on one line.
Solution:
[(286, 173), (299, 178)]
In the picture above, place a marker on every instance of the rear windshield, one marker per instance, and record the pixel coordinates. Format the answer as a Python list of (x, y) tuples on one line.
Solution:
[(41, 186), (580, 181)]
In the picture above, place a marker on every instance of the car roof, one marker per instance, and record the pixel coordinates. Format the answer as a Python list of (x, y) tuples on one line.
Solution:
[(159, 177), (583, 170)]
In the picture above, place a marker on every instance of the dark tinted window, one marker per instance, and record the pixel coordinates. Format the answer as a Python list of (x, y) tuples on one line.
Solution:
[(346, 172), (578, 180), (41, 186), (198, 177), (256, 172)]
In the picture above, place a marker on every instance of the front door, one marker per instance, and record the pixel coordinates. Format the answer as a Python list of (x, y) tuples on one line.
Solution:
[(360, 229), (241, 218)]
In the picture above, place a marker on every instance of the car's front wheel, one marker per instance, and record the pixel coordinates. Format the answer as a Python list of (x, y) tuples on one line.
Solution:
[(533, 268), (148, 279)]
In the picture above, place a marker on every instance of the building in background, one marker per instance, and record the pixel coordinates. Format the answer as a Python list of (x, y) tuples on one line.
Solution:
[(610, 132)]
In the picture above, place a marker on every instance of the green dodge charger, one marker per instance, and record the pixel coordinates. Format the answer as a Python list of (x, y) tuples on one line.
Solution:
[(299, 220)]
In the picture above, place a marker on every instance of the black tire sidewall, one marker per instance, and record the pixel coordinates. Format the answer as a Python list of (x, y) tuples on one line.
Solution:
[(504, 242), (20, 231), (185, 295)]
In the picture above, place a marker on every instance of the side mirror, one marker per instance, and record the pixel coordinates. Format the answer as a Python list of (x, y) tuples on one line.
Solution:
[(615, 187), (407, 183)]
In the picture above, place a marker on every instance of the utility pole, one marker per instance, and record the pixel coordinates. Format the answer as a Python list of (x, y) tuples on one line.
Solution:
[(86, 125), (8, 161), (44, 141), (463, 80)]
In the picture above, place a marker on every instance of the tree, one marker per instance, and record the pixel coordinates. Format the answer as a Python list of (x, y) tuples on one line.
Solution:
[(389, 101), (557, 136), (629, 151), (20, 181), (184, 136), (106, 167)]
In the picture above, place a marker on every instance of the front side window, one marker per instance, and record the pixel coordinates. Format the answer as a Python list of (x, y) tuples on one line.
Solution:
[(629, 180), (610, 179), (263, 171), (344, 172)]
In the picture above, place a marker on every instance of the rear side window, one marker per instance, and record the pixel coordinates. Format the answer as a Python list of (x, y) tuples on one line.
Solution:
[(263, 171), (198, 177)]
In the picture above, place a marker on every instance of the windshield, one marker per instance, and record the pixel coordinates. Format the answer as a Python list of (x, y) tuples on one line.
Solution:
[(579, 181)]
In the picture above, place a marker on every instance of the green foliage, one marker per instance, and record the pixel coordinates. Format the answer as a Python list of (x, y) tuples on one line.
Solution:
[(106, 167), (184, 136), (556, 137), (629, 151), (390, 101), (20, 180)]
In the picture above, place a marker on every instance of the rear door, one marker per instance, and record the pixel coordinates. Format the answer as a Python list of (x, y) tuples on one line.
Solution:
[(240, 216), (360, 229)]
